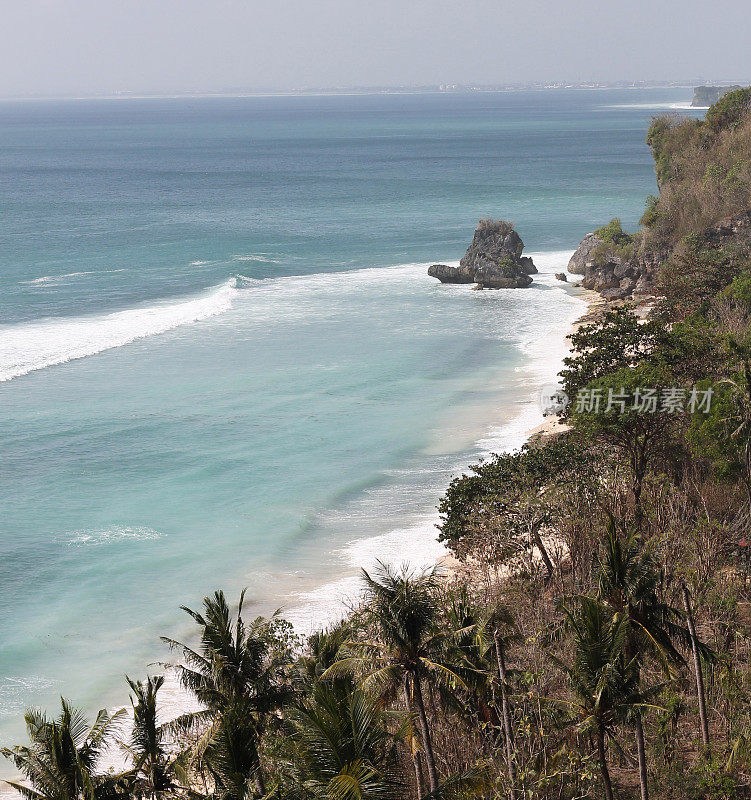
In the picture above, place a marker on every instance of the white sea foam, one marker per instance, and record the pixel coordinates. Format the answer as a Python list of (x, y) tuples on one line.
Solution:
[(31, 346), (415, 547), (35, 345), (114, 533), (50, 280), (262, 258), (681, 105), (16, 690), (544, 344), (244, 282)]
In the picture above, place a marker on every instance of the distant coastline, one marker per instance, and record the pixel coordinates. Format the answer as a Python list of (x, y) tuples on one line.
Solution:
[(363, 90)]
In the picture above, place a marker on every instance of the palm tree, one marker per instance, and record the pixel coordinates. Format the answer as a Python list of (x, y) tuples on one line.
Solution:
[(63, 755), (344, 750), (696, 652), (238, 673), (155, 770), (402, 608), (468, 650), (605, 685), (230, 755), (628, 579), (478, 639), (322, 652)]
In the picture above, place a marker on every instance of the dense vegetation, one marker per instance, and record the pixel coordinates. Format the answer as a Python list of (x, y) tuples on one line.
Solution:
[(594, 639), (703, 169)]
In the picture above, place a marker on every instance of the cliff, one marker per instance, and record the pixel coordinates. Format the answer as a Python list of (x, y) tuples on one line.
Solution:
[(705, 96), (703, 171), (493, 260)]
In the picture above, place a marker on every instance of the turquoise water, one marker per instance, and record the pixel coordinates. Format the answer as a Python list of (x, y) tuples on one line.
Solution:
[(223, 364)]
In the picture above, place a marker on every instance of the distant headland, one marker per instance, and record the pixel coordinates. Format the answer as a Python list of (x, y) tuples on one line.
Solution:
[(705, 96)]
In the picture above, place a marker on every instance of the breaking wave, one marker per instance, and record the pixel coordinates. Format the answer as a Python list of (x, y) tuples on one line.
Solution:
[(36, 345)]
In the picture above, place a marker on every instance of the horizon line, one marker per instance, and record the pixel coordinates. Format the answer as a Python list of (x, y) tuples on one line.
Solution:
[(439, 88)]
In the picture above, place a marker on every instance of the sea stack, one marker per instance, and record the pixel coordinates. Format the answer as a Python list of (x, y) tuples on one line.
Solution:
[(493, 260)]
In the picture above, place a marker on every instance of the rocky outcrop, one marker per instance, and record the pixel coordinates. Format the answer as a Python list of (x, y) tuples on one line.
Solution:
[(561, 276), (446, 274), (613, 276), (493, 260), (582, 258), (616, 278), (737, 226)]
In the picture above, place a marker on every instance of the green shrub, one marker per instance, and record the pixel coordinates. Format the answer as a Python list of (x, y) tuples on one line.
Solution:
[(705, 780), (615, 243), (713, 172), (739, 291), (730, 110), (497, 225), (651, 212), (613, 233)]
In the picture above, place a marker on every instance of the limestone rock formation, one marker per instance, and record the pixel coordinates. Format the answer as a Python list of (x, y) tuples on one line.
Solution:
[(579, 261), (493, 260), (614, 277)]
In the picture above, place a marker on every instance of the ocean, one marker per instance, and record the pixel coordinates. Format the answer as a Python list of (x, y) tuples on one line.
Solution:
[(222, 362)]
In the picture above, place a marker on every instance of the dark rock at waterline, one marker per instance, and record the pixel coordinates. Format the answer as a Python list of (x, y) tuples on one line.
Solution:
[(493, 260), (502, 278), (446, 274), (561, 276)]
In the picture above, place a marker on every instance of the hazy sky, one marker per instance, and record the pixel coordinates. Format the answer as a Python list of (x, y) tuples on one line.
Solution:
[(95, 46)]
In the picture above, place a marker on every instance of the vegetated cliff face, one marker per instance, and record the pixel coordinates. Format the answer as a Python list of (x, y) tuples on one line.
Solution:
[(493, 260), (704, 173), (708, 95)]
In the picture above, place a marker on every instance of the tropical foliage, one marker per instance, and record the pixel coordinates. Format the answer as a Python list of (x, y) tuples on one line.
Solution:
[(593, 639)]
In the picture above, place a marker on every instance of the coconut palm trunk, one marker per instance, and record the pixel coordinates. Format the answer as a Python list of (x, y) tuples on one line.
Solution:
[(425, 730), (258, 777), (602, 758), (642, 754), (415, 753), (697, 669), (641, 751), (537, 540), (508, 730)]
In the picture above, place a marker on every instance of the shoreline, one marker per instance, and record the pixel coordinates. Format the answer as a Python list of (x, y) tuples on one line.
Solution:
[(329, 601), (337, 595), (340, 594), (596, 304), (448, 565)]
